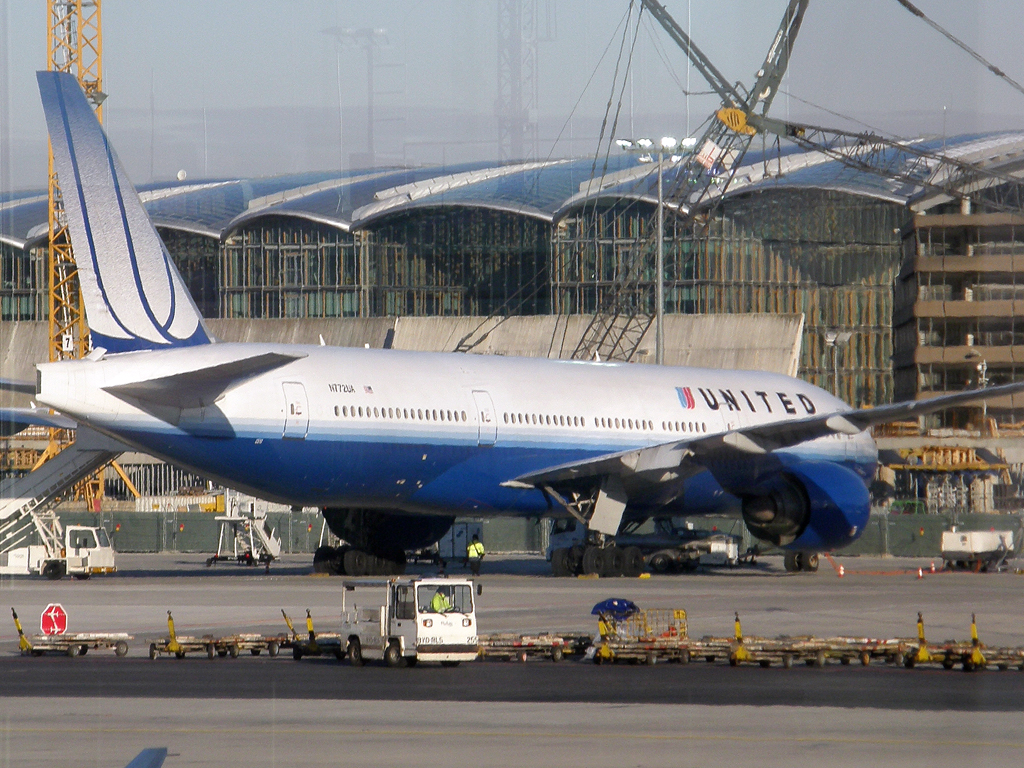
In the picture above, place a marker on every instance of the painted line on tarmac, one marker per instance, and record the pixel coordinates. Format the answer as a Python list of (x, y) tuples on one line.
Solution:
[(618, 737)]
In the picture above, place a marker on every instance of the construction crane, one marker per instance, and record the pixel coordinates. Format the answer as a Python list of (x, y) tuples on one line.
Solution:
[(615, 331)]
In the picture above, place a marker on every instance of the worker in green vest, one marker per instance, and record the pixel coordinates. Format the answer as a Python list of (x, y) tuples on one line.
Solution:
[(474, 554), (440, 603)]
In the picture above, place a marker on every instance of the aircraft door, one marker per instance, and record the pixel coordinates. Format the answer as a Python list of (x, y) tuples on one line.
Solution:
[(296, 410), (487, 433)]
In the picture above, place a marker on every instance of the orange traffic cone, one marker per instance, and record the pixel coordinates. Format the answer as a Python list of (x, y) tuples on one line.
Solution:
[(842, 571), (920, 573)]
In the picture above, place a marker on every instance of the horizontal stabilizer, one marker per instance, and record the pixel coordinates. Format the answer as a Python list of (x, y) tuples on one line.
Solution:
[(202, 387), (13, 420), (759, 439), (12, 385)]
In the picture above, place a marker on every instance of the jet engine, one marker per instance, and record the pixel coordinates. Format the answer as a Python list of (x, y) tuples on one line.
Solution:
[(810, 506)]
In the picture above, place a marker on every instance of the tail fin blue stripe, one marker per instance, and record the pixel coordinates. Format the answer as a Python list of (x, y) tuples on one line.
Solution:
[(134, 297)]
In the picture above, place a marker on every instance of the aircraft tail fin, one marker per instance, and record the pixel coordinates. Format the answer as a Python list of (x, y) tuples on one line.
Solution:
[(134, 297), (149, 758)]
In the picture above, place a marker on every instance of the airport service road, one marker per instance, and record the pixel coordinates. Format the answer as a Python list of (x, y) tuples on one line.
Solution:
[(519, 596), (852, 687)]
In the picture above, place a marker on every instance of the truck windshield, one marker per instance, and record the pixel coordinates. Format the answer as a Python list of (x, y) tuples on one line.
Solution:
[(445, 598), (83, 540), (102, 534)]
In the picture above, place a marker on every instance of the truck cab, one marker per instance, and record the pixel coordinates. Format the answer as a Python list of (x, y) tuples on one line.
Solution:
[(403, 621), (88, 551)]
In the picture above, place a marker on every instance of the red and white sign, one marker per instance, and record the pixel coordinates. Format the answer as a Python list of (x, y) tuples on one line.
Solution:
[(54, 620)]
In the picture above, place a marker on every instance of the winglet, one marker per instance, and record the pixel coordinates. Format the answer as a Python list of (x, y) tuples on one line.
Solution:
[(134, 297)]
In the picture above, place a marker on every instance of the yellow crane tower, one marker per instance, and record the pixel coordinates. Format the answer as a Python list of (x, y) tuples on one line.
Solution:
[(74, 45)]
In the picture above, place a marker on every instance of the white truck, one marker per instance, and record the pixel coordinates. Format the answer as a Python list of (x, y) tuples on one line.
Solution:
[(82, 551), (402, 621)]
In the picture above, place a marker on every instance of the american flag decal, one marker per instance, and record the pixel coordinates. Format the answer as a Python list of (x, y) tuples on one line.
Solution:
[(685, 397)]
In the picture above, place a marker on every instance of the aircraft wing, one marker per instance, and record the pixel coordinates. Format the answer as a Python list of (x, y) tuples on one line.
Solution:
[(149, 758), (202, 387), (13, 385), (759, 439), (13, 420)]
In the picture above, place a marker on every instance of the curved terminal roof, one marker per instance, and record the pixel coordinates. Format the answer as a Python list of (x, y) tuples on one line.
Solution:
[(545, 190)]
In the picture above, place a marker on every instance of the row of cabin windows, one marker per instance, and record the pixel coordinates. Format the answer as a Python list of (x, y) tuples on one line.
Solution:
[(545, 419), (409, 414), (602, 422), (684, 426)]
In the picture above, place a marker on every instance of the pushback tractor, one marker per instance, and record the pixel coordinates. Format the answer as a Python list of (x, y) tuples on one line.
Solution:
[(405, 621)]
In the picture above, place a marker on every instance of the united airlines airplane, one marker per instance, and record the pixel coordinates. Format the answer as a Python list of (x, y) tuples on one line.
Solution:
[(391, 445)]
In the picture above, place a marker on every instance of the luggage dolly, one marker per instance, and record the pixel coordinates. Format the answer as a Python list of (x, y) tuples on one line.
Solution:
[(317, 644), (73, 644), (179, 646)]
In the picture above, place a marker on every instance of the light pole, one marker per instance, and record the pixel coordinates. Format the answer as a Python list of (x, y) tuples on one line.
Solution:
[(835, 339), (643, 147), (982, 368)]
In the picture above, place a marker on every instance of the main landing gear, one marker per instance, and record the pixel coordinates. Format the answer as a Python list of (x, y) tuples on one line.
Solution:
[(594, 560), (347, 561), (801, 561)]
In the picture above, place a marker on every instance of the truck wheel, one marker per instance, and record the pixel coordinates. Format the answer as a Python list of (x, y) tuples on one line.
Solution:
[(661, 563), (53, 570), (222, 652), (393, 655), (82, 576), (632, 562), (255, 651), (560, 563), (355, 652), (120, 648), (556, 654), (179, 654), (152, 651), (272, 649), (71, 650), (449, 663), (296, 652), (593, 561), (210, 651), (233, 650), (576, 559)]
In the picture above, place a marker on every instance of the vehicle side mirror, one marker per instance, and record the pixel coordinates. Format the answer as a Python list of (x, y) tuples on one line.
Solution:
[(479, 589)]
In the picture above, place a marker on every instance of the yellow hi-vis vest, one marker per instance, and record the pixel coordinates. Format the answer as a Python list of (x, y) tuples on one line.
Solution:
[(475, 550)]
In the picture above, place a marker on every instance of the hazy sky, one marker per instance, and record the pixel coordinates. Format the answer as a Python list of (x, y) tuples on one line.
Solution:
[(219, 87)]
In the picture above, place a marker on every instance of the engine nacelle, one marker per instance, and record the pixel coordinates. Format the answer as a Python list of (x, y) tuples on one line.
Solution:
[(811, 506), (385, 533)]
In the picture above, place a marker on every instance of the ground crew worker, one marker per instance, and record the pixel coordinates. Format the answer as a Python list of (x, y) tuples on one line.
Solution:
[(440, 603), (475, 553)]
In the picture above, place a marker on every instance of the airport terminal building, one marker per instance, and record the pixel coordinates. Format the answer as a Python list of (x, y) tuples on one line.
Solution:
[(902, 293)]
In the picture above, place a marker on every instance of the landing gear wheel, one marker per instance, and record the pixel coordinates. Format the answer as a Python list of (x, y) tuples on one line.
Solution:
[(355, 652), (792, 562), (393, 655), (661, 563), (323, 560), (356, 562), (576, 560), (613, 561), (560, 562), (809, 562), (593, 561), (632, 562)]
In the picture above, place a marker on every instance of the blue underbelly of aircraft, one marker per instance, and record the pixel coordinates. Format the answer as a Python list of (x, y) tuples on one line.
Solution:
[(430, 478)]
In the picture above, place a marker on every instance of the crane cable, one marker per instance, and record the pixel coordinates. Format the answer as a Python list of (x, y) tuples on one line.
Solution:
[(977, 56)]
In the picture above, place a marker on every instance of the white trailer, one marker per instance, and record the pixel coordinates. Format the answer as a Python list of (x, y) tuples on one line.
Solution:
[(977, 550), (402, 621)]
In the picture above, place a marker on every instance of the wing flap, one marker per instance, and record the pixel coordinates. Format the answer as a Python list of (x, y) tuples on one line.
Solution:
[(13, 420), (202, 387)]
